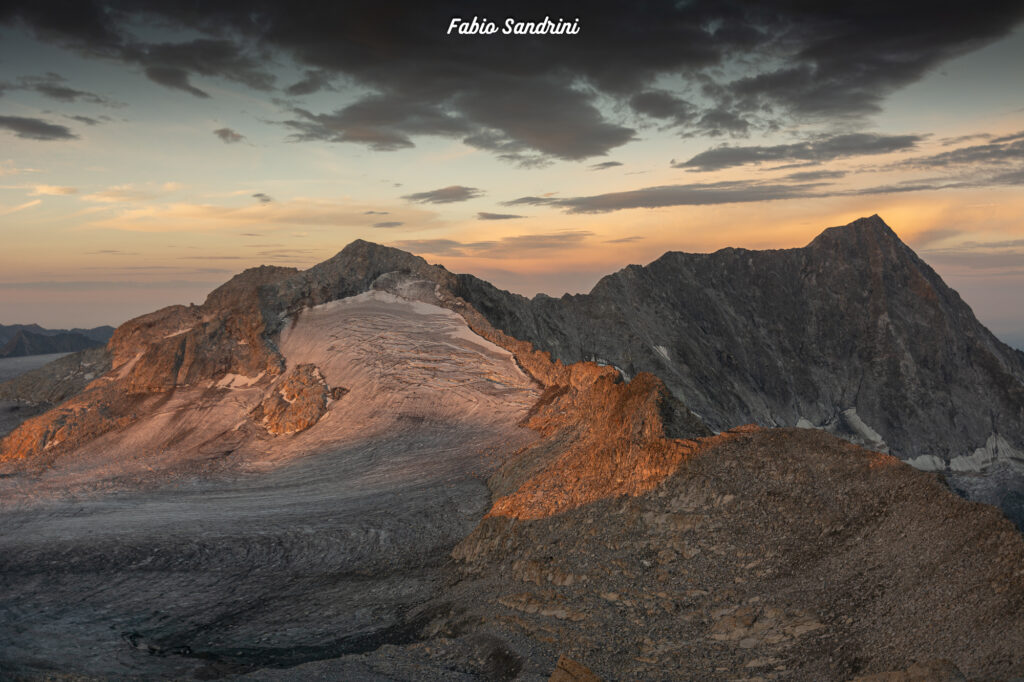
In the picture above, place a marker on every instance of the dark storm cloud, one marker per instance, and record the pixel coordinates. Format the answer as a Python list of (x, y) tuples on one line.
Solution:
[(605, 165), (816, 150), (314, 80), (531, 99), (722, 121), (35, 128), (173, 77), (541, 115), (204, 57), (445, 195), (663, 105), (389, 223), (262, 198), (483, 215), (54, 86), (383, 123), (228, 136), (504, 247)]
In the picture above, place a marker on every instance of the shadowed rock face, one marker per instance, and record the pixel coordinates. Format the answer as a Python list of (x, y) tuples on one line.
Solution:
[(853, 321)]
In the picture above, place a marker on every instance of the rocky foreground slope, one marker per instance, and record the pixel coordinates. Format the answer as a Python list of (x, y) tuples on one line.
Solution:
[(352, 473)]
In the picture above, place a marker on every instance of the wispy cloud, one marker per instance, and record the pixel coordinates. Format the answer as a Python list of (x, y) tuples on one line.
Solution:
[(229, 136), (8, 167), (55, 86), (445, 195), (20, 207), (51, 190), (506, 247), (185, 217), (29, 128), (696, 194), (483, 215), (129, 193), (817, 150)]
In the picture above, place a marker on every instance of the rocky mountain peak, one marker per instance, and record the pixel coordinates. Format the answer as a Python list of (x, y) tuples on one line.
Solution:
[(864, 235), (245, 284)]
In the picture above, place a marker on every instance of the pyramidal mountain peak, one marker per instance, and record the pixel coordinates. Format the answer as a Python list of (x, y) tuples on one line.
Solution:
[(700, 454)]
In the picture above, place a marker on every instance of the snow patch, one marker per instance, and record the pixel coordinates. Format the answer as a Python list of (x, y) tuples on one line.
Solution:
[(996, 449), (870, 436), (123, 370), (238, 380), (601, 362), (927, 463)]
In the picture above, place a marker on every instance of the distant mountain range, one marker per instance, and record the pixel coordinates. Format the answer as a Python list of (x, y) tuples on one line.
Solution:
[(18, 340)]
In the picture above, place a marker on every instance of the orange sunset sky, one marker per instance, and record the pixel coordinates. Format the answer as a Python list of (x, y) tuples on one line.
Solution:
[(149, 153)]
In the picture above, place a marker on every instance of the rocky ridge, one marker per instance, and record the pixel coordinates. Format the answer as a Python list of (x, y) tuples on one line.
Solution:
[(852, 333)]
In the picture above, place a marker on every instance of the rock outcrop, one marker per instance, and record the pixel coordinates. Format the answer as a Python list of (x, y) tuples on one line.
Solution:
[(296, 401)]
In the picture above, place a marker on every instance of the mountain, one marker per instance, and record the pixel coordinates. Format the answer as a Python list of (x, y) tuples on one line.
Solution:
[(853, 333), (7, 331), (365, 470), (20, 340)]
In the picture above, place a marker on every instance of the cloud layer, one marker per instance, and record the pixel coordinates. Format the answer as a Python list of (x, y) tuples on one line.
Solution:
[(533, 99)]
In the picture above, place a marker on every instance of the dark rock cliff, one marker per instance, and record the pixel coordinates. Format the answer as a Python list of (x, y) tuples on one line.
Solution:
[(854, 320)]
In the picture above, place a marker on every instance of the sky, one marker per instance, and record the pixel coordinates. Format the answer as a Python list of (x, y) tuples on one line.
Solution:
[(150, 150)]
